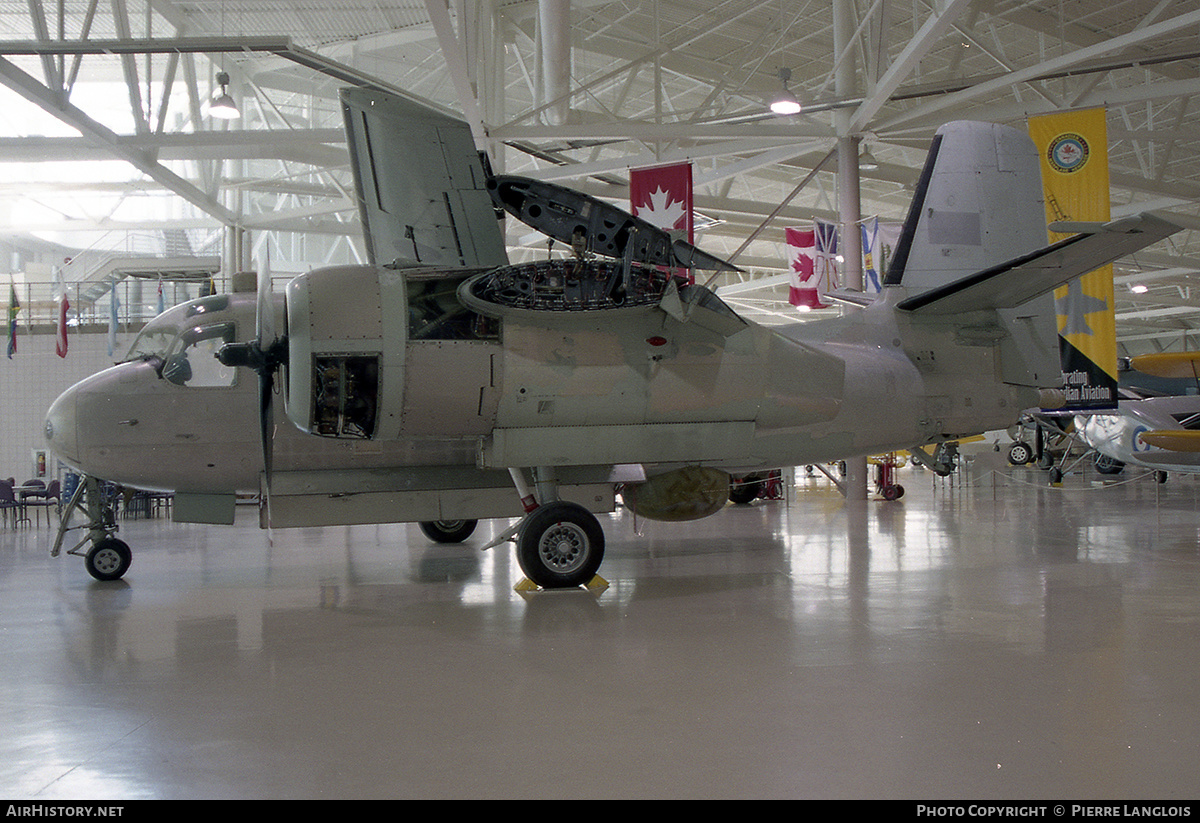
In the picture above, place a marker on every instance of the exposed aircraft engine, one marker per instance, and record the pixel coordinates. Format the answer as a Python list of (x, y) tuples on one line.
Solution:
[(689, 493)]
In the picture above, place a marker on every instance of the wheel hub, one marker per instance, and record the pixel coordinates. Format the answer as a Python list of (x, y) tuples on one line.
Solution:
[(564, 547), (107, 561)]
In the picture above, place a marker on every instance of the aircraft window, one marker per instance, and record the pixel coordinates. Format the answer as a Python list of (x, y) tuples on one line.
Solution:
[(192, 359), (152, 341)]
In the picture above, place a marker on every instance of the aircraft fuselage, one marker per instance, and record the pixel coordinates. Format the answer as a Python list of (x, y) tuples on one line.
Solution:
[(585, 390)]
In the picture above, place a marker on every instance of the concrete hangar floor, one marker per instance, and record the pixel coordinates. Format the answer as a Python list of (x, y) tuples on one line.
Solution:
[(984, 637)]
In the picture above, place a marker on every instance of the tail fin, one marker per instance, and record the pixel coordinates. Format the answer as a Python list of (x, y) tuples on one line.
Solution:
[(975, 235), (979, 203)]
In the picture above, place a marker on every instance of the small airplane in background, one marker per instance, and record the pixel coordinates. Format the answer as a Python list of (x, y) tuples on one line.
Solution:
[(1160, 433), (439, 384)]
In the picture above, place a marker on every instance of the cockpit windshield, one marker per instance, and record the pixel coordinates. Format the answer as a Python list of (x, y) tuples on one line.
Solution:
[(153, 341), (157, 336)]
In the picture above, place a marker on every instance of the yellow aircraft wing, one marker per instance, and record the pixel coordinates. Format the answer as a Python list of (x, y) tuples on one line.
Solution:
[(1168, 364), (1176, 441)]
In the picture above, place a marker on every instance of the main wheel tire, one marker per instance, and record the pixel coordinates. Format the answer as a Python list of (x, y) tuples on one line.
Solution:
[(745, 491), (1019, 454), (448, 531), (108, 559), (1108, 465), (560, 545)]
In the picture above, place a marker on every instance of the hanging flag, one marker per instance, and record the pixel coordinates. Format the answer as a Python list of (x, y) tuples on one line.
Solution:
[(14, 308), (60, 342), (878, 240), (662, 196), (113, 304), (812, 264), (1074, 153), (161, 306)]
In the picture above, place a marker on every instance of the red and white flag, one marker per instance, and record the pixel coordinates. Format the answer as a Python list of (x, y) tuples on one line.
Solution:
[(813, 264), (64, 305), (662, 196)]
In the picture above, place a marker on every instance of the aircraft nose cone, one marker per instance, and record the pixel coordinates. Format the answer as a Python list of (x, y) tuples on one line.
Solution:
[(60, 427)]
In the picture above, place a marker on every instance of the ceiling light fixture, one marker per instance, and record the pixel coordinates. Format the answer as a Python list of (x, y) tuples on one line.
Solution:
[(867, 161), (785, 102), (222, 106)]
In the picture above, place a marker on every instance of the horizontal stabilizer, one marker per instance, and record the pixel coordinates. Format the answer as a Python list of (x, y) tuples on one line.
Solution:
[(861, 299), (1125, 225), (1185, 364), (1018, 281), (1184, 440)]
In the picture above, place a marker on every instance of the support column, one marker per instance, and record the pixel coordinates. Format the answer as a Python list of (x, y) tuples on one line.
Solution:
[(849, 205)]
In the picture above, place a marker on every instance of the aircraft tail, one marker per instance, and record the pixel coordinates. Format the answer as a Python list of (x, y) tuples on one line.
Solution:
[(975, 240), (978, 203)]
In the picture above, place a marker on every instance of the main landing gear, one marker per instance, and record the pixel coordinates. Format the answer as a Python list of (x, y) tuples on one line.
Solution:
[(107, 558), (448, 531), (560, 544)]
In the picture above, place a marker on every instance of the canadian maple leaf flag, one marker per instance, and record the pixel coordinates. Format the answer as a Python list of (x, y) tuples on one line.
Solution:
[(813, 264), (662, 196)]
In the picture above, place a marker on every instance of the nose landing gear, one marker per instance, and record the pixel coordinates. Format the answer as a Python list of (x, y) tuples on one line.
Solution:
[(107, 558)]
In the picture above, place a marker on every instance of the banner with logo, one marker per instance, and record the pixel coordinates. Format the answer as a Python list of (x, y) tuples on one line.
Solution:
[(1074, 152), (812, 255)]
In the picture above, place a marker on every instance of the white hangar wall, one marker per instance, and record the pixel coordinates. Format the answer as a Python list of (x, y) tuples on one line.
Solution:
[(29, 383)]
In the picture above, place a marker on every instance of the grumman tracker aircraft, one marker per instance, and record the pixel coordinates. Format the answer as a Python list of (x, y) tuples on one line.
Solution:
[(441, 385)]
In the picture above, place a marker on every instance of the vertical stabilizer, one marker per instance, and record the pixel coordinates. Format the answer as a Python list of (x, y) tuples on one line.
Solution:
[(978, 204)]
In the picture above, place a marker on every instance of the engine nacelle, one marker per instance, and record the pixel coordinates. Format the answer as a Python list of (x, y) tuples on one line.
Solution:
[(384, 354), (346, 335)]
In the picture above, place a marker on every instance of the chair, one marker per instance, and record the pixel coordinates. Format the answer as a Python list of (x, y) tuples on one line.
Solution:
[(52, 496), (9, 503)]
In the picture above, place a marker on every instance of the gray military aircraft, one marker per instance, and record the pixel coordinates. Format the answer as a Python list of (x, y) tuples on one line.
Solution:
[(439, 384)]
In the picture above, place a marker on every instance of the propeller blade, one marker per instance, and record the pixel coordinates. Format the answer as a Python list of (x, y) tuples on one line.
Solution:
[(268, 345), (265, 308)]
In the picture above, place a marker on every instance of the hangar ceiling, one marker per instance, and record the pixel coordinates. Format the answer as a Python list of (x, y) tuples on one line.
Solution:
[(110, 131)]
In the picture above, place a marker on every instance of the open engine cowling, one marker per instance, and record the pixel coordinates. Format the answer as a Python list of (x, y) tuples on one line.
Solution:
[(346, 335)]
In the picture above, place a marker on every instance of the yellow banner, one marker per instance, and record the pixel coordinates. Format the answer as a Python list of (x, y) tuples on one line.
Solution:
[(1074, 152)]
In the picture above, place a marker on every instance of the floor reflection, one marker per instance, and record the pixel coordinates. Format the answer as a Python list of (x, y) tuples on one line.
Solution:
[(969, 640)]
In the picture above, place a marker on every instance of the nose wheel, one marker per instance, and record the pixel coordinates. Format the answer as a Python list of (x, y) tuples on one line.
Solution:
[(108, 558)]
